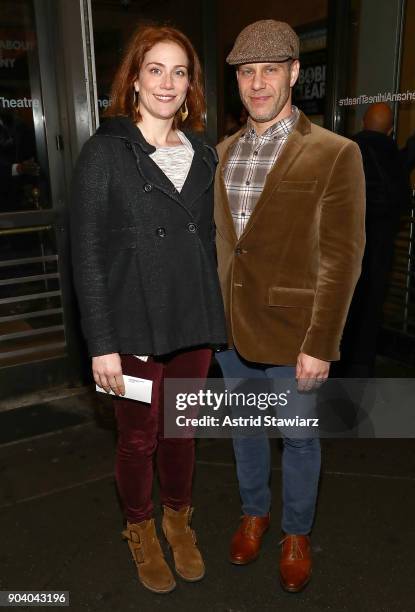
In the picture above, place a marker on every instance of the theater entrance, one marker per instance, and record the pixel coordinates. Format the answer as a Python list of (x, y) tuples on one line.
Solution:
[(37, 319)]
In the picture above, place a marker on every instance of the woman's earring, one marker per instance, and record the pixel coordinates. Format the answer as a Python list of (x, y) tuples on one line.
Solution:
[(136, 100), (184, 113)]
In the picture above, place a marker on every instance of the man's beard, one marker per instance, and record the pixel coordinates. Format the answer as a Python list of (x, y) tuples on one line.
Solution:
[(264, 117)]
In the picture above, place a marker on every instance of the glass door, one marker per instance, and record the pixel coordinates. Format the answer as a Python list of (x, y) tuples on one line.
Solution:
[(35, 293), (372, 60)]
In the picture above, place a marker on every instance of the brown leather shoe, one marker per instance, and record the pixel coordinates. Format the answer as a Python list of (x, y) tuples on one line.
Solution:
[(246, 542), (295, 562)]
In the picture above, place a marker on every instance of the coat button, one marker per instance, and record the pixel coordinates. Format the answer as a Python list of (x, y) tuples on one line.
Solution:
[(160, 231), (147, 187), (192, 227), (128, 145), (238, 251)]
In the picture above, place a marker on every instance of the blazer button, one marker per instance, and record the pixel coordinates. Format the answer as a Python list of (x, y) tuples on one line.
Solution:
[(160, 231), (192, 227), (147, 187), (238, 251)]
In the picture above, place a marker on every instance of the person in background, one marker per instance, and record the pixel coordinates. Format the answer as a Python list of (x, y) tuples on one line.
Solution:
[(18, 167), (289, 212), (145, 274), (387, 198)]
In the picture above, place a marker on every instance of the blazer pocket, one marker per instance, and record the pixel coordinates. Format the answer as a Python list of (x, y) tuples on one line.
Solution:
[(304, 186), (290, 297), (122, 238)]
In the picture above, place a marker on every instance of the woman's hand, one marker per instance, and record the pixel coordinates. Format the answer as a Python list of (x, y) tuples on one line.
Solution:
[(108, 373)]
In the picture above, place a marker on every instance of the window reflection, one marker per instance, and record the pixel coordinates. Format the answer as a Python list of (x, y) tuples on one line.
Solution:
[(23, 183)]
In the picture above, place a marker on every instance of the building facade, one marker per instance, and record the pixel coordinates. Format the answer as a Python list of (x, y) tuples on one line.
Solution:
[(57, 60)]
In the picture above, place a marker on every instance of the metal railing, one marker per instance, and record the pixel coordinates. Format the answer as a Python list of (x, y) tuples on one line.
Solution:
[(31, 311)]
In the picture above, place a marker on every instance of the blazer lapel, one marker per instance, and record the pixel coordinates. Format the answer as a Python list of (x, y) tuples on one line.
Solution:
[(288, 155), (223, 216)]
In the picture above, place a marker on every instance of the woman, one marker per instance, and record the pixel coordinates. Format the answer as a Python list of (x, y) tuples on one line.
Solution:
[(145, 274)]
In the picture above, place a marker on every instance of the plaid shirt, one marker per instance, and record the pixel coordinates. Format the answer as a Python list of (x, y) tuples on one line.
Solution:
[(250, 160)]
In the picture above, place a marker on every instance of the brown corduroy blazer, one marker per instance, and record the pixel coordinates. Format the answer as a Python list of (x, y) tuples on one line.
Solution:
[(288, 281)]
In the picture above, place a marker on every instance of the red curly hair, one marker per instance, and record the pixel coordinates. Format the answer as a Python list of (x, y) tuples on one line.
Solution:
[(122, 90)]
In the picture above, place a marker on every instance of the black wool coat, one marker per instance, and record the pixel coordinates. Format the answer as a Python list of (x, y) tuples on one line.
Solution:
[(143, 254)]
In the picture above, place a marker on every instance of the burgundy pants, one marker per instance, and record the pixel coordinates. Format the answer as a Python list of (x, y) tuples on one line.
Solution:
[(141, 439)]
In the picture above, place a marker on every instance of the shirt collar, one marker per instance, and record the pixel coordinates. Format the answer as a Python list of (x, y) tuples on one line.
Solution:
[(280, 129)]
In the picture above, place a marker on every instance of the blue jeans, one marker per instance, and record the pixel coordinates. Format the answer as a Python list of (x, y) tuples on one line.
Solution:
[(301, 459)]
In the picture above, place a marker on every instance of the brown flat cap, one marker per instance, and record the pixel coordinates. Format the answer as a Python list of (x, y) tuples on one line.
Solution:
[(265, 41)]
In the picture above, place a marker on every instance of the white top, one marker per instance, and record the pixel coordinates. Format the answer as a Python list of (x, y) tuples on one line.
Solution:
[(175, 161)]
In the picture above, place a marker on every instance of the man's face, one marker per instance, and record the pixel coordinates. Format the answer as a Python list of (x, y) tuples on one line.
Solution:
[(265, 88)]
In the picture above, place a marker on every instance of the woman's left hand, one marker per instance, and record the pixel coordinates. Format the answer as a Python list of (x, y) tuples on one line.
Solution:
[(108, 373)]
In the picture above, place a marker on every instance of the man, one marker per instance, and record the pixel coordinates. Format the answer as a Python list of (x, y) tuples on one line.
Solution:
[(387, 198), (290, 237)]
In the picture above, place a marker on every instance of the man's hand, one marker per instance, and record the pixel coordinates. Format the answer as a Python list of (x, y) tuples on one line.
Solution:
[(310, 372), (108, 373)]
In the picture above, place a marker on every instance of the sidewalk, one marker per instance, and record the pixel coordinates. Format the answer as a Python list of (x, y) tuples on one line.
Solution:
[(61, 522)]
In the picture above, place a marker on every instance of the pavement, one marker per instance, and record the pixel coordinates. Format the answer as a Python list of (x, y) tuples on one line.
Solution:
[(60, 521)]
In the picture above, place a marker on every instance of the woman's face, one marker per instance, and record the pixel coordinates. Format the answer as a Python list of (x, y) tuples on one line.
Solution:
[(163, 81)]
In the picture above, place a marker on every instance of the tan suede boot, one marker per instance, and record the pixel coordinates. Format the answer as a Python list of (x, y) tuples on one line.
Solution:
[(153, 571), (182, 540)]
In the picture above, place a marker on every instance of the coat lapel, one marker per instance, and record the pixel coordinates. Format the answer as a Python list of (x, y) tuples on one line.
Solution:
[(288, 155), (292, 148), (201, 173), (223, 216), (198, 180)]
